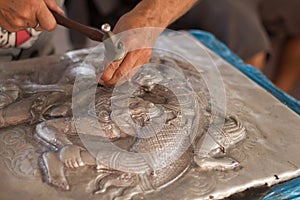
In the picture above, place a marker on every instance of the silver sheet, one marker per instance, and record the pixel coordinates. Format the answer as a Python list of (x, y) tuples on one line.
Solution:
[(267, 156)]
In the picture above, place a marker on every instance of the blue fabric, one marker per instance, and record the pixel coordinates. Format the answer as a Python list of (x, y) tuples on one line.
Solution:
[(218, 47), (286, 191)]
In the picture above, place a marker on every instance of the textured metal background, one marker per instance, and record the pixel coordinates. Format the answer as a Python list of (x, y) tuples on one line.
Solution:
[(268, 155)]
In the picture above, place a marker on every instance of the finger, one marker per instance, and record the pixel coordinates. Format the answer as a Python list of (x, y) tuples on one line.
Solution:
[(79, 161), (139, 63), (119, 71), (74, 163), (51, 4), (46, 19), (110, 70), (66, 163), (100, 81), (133, 61), (123, 70), (70, 164)]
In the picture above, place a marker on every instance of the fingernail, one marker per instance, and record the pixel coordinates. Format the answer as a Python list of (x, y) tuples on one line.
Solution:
[(101, 82), (99, 78)]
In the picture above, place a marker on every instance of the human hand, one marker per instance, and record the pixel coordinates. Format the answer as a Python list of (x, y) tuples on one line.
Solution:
[(138, 39), (16, 15), (138, 31)]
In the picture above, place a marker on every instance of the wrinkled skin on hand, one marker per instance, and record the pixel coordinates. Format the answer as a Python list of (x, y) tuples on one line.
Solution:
[(138, 39), (16, 15)]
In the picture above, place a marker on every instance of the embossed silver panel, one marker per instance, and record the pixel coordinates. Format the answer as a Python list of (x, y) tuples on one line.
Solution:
[(260, 136)]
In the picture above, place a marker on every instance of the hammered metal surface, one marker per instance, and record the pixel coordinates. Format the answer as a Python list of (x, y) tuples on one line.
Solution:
[(267, 154)]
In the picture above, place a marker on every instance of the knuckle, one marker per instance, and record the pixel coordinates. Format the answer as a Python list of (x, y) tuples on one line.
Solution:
[(114, 66), (50, 27), (26, 15), (120, 73), (19, 23)]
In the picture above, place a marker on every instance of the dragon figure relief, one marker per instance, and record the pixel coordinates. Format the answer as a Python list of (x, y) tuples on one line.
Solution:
[(155, 133)]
